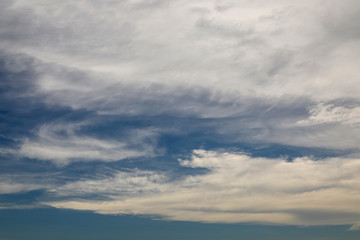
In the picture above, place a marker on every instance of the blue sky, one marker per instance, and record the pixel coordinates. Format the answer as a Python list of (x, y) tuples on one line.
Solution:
[(236, 116)]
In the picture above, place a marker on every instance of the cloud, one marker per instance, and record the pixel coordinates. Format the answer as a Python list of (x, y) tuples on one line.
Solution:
[(11, 183), (168, 59), (61, 144), (340, 27), (6, 188), (354, 227), (235, 188), (283, 120), (257, 72), (333, 114), (254, 48), (120, 184)]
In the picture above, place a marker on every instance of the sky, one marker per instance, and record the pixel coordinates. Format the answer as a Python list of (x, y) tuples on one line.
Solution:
[(153, 119)]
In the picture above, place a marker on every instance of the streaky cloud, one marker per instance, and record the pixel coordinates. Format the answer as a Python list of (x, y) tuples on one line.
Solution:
[(236, 188), (61, 144)]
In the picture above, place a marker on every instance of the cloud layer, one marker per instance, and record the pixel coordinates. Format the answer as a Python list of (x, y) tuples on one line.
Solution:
[(236, 188), (205, 59), (86, 84)]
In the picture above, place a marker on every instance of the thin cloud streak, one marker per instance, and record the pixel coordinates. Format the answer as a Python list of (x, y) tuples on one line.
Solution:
[(61, 144)]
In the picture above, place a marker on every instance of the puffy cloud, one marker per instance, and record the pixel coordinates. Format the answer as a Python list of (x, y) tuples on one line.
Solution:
[(235, 188)]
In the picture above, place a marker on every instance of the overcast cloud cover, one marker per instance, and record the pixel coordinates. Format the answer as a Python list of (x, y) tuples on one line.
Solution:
[(209, 111)]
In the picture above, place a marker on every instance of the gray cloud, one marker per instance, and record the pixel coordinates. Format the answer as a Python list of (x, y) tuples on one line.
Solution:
[(341, 21)]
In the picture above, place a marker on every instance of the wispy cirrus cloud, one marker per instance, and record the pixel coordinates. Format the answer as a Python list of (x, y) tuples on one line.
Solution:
[(331, 113), (17, 187), (61, 144)]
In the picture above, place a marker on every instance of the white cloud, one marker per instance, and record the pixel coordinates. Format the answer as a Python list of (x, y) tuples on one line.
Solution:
[(355, 227), (329, 113), (236, 188), (261, 48), (199, 58), (20, 183), (121, 184), (14, 187), (61, 144)]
